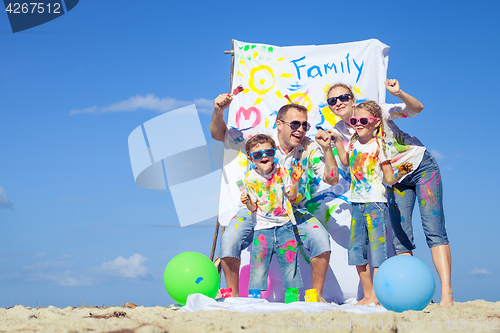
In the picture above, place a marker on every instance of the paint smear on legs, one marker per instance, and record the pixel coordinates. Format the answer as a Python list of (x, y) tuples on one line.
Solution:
[(289, 250)]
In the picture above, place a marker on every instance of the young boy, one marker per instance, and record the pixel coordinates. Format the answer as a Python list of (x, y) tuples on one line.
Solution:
[(270, 193)]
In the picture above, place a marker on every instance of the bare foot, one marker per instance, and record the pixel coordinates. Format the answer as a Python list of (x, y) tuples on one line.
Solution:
[(447, 298), (368, 301), (321, 299)]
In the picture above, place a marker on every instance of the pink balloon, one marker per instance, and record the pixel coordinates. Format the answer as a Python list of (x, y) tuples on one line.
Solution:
[(245, 279)]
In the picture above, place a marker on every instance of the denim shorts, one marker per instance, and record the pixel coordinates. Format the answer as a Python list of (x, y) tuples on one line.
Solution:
[(368, 228), (424, 186), (280, 241), (238, 234)]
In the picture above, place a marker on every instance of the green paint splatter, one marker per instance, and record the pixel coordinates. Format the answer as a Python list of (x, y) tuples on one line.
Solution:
[(351, 239), (288, 248), (329, 213), (303, 253), (312, 206), (314, 160), (270, 49), (247, 47)]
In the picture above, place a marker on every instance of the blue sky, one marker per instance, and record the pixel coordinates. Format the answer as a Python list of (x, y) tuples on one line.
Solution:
[(76, 230)]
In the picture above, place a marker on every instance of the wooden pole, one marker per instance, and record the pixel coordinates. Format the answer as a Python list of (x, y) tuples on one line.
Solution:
[(216, 235), (214, 243)]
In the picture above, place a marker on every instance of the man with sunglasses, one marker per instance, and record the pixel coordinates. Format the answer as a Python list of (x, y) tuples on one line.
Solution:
[(292, 146)]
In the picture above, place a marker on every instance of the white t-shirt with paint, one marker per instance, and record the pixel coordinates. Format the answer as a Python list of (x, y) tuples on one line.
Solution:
[(269, 192), (367, 177)]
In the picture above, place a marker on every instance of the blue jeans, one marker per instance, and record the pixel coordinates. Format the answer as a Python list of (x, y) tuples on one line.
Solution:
[(280, 240), (368, 226), (238, 234), (425, 185)]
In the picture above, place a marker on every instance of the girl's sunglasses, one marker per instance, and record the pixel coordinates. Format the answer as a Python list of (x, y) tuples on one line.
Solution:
[(257, 155), (343, 98), (363, 121), (294, 125)]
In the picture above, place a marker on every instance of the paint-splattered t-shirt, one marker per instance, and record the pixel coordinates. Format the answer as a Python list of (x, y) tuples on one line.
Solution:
[(367, 177), (268, 191), (313, 163), (402, 146)]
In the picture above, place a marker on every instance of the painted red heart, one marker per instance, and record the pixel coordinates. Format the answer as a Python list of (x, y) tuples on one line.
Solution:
[(246, 115)]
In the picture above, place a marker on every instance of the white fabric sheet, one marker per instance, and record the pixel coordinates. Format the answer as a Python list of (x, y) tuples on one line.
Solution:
[(196, 302)]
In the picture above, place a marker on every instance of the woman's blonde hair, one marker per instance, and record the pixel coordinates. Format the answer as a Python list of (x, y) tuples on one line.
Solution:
[(336, 85)]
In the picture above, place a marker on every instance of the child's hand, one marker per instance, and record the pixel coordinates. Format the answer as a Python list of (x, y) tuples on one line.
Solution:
[(245, 199), (405, 168), (324, 138), (392, 86), (297, 172)]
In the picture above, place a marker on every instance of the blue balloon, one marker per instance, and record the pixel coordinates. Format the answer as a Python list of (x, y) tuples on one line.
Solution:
[(404, 283)]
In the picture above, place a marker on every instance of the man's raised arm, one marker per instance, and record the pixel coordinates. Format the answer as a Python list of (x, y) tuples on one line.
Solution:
[(218, 125)]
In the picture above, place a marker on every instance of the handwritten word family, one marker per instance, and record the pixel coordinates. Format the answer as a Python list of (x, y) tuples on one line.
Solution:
[(315, 70)]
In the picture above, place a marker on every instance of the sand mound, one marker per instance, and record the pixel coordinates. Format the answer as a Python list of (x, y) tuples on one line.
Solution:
[(476, 316)]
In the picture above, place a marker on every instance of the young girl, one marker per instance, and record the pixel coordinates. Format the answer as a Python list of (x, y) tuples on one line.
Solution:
[(271, 189), (369, 163)]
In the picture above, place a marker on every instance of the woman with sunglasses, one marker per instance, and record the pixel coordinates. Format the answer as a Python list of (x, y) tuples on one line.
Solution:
[(423, 183), (269, 193), (369, 163)]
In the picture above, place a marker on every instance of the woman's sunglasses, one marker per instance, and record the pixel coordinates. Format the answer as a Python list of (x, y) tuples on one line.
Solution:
[(296, 124), (257, 155), (363, 121), (343, 98)]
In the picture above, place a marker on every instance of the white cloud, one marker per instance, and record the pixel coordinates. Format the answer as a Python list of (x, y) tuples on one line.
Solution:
[(65, 272), (4, 200), (65, 256), (130, 268), (437, 155), (56, 272), (148, 102), (67, 279), (480, 272), (46, 266)]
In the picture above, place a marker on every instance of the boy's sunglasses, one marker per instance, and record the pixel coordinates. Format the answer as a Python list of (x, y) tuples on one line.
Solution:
[(296, 124), (343, 98), (257, 155), (363, 121)]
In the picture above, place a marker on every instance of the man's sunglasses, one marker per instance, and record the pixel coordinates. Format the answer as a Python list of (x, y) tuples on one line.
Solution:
[(296, 124), (257, 155), (343, 98), (363, 121)]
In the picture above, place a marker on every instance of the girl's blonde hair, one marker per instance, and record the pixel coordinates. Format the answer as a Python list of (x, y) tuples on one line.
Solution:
[(375, 111)]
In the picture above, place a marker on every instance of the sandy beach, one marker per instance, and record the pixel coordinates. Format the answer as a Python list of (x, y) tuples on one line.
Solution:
[(474, 316)]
